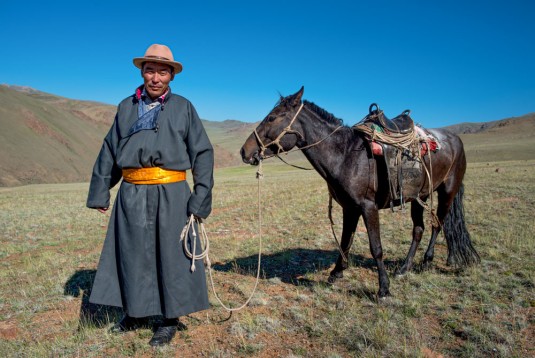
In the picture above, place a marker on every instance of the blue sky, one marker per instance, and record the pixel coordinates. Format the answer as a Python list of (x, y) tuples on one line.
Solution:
[(447, 61)]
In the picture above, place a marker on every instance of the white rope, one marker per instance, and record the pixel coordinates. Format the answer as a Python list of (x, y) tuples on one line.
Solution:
[(206, 244)]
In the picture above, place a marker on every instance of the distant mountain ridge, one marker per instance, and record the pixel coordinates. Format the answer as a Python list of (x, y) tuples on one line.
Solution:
[(51, 139), (467, 128)]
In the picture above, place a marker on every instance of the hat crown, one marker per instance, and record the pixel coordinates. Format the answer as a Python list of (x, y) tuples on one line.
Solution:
[(159, 52)]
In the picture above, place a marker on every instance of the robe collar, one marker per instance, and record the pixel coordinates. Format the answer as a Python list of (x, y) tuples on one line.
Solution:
[(141, 94)]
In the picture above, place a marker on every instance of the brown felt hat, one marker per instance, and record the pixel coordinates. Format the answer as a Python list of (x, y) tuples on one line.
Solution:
[(159, 54)]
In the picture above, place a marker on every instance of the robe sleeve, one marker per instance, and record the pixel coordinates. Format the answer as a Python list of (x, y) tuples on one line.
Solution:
[(106, 173), (201, 156)]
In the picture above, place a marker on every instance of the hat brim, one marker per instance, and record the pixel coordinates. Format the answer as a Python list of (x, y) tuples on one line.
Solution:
[(177, 66)]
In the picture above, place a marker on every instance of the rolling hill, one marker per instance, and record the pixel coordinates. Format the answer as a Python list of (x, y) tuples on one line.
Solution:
[(51, 139), (506, 139)]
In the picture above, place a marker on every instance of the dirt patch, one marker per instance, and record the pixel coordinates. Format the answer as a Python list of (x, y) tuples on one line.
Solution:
[(51, 324), (510, 199), (9, 330), (428, 353)]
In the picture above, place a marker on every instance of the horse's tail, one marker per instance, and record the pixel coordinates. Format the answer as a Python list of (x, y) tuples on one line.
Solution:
[(460, 249)]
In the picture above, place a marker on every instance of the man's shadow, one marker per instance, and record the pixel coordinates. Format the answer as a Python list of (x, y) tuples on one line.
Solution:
[(92, 315)]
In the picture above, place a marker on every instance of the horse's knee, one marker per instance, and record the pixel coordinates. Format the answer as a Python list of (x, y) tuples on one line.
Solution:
[(417, 233)]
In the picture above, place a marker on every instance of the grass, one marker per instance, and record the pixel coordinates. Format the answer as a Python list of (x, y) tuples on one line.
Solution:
[(50, 246)]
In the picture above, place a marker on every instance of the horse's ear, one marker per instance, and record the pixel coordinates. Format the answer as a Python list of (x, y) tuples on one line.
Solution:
[(298, 96)]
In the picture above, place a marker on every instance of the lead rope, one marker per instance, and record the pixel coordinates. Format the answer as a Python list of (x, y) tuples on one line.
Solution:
[(204, 241), (280, 150)]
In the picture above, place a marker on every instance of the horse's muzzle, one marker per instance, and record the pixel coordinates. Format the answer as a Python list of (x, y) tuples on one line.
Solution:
[(254, 159)]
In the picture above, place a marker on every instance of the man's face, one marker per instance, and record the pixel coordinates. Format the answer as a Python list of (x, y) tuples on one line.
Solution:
[(156, 77)]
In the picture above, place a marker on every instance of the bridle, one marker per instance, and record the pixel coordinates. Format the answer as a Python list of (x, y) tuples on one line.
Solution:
[(287, 130)]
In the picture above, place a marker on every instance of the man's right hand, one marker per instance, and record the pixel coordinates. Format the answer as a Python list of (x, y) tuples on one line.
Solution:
[(102, 210)]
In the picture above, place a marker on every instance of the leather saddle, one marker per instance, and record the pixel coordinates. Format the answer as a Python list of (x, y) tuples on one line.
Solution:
[(401, 124)]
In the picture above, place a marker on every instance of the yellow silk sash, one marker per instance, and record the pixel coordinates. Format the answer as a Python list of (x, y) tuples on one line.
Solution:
[(153, 175)]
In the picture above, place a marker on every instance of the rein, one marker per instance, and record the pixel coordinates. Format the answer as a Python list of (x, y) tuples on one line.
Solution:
[(276, 141)]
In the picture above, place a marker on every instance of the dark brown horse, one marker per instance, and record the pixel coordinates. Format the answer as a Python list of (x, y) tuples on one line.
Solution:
[(357, 180)]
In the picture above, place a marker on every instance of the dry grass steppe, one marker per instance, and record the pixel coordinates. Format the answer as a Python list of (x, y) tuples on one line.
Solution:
[(51, 244)]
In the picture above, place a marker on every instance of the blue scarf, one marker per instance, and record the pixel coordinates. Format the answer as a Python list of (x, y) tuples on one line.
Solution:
[(148, 112)]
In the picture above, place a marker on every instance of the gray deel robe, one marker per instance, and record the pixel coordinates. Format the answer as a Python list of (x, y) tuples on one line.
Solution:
[(143, 267)]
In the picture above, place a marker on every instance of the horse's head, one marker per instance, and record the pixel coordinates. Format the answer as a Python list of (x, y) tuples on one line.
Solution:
[(277, 132)]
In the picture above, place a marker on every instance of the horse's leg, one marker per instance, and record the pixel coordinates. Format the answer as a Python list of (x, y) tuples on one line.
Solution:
[(371, 218), (351, 218), (417, 212), (430, 253), (445, 198)]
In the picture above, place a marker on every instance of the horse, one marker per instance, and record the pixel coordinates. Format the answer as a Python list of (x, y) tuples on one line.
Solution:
[(357, 181)]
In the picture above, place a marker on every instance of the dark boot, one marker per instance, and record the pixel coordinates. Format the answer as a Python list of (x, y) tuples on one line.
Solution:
[(164, 333), (126, 324)]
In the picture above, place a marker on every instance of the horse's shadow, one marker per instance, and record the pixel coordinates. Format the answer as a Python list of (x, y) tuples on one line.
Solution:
[(292, 266), (79, 285)]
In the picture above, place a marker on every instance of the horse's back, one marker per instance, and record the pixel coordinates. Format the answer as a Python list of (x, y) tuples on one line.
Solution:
[(448, 142)]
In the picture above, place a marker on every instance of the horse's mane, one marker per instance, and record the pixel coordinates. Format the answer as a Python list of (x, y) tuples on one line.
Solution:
[(328, 117)]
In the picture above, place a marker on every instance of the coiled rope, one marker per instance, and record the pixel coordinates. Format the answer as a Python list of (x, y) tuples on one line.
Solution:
[(205, 245)]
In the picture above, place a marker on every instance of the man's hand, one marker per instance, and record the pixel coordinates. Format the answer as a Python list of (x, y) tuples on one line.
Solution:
[(102, 210)]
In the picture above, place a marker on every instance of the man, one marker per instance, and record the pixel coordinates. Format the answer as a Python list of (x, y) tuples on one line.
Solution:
[(156, 136)]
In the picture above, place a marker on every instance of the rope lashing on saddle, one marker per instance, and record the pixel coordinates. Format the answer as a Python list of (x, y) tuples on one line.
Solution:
[(409, 141), (190, 225)]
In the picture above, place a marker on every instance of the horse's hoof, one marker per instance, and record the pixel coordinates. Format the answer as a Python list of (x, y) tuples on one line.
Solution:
[(427, 265), (401, 272), (428, 260), (382, 294), (334, 276)]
